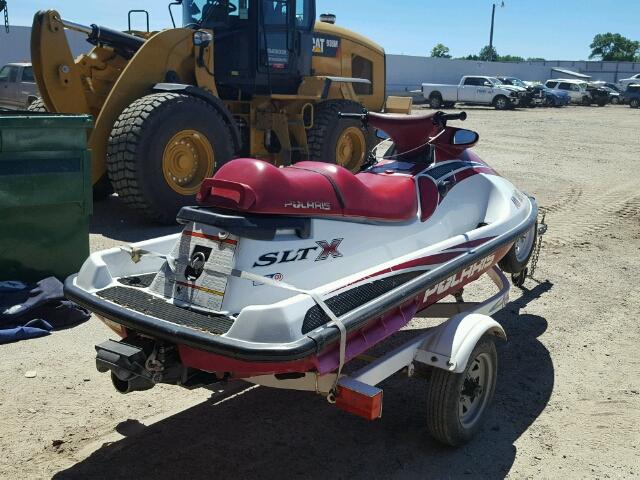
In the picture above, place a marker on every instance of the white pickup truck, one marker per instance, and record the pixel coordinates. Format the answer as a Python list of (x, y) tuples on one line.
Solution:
[(472, 89)]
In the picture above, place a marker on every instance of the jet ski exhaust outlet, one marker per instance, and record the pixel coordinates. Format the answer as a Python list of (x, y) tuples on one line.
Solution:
[(143, 363)]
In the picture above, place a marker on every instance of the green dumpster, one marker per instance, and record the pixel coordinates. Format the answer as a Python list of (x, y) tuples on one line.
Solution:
[(45, 195)]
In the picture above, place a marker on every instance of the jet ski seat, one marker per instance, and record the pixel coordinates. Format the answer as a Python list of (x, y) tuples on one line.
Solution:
[(311, 189)]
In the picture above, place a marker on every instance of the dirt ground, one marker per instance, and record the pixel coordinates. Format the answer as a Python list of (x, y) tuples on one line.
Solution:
[(567, 402)]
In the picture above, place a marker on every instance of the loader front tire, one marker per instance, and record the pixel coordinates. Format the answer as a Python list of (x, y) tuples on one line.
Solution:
[(339, 140), (161, 148)]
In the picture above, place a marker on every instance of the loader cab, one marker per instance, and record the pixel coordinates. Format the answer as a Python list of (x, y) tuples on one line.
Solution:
[(260, 46)]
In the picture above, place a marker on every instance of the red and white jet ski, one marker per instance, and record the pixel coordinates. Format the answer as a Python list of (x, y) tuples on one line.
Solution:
[(282, 272)]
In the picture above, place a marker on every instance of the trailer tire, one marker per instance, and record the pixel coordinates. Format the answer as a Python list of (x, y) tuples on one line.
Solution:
[(435, 100), (156, 140), (37, 106), (457, 402), (517, 258), (339, 140)]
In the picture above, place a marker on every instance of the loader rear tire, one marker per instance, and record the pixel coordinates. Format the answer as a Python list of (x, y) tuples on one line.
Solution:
[(339, 140), (161, 148)]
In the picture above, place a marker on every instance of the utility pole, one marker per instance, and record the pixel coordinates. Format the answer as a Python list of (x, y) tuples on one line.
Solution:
[(493, 16)]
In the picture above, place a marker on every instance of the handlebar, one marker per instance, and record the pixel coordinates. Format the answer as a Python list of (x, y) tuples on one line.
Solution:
[(441, 118)]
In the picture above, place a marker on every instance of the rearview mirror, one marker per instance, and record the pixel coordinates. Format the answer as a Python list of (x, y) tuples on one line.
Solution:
[(464, 137)]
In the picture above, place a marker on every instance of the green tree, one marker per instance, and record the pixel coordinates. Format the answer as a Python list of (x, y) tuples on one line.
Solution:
[(510, 58), (488, 54), (613, 46), (440, 51)]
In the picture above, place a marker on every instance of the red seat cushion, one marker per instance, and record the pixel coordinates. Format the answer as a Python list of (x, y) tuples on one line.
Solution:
[(309, 188)]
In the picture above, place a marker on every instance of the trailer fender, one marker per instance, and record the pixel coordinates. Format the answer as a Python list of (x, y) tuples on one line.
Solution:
[(449, 345), (209, 98)]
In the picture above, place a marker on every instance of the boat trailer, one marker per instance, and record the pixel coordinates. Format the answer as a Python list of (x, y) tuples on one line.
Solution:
[(447, 347)]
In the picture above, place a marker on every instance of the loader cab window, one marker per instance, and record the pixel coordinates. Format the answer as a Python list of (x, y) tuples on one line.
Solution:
[(305, 15), (261, 46), (275, 12), (362, 68), (276, 36), (214, 13), (285, 42)]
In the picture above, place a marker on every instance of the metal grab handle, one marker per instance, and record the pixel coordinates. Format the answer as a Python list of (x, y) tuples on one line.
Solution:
[(139, 11), (354, 116)]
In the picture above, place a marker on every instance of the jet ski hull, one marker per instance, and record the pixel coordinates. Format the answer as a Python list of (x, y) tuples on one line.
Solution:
[(317, 350)]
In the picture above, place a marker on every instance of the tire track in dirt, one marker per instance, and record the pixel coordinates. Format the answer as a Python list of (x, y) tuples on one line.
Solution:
[(571, 197), (579, 216)]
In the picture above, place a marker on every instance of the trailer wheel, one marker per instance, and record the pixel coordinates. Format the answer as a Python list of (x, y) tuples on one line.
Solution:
[(161, 148), (339, 140), (435, 101), (517, 258), (501, 102), (457, 402)]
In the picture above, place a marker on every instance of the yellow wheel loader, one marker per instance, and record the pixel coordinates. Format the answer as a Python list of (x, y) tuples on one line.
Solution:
[(257, 78)]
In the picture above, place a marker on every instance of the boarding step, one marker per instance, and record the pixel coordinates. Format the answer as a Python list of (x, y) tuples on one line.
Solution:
[(142, 302)]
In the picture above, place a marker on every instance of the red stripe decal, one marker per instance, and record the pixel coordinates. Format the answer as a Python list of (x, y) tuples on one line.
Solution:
[(215, 238)]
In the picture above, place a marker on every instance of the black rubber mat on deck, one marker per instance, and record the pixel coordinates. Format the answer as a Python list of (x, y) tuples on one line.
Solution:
[(351, 299), (146, 304), (140, 281)]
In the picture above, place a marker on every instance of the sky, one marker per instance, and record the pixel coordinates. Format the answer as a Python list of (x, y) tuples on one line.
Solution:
[(552, 29)]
